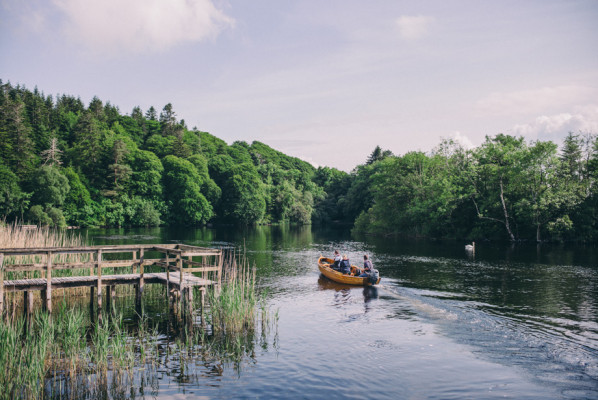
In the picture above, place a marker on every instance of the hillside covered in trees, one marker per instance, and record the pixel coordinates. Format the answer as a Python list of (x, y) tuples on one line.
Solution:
[(66, 163)]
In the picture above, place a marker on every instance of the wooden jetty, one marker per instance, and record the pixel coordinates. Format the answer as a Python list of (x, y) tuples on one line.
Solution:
[(177, 264)]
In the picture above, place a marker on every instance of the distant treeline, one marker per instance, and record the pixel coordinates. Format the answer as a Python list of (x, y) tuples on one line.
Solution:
[(63, 163)]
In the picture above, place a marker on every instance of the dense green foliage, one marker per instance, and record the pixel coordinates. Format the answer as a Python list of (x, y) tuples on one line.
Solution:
[(62, 163), (504, 189)]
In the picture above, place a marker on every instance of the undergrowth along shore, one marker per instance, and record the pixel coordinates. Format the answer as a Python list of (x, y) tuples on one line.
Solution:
[(74, 353)]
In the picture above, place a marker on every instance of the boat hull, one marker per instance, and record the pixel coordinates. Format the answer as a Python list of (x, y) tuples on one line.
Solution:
[(324, 266)]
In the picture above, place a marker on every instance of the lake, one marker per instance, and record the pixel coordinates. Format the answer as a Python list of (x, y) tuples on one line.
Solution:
[(515, 322)]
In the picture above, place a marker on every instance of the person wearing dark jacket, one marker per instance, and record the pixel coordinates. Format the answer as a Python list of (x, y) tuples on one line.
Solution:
[(345, 265)]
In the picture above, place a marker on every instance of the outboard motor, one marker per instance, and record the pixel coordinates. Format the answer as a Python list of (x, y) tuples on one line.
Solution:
[(374, 275)]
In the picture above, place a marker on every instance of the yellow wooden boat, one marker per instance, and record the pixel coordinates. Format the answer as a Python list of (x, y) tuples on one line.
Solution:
[(324, 264)]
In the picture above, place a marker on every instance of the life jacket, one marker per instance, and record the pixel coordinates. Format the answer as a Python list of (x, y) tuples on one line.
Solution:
[(345, 266)]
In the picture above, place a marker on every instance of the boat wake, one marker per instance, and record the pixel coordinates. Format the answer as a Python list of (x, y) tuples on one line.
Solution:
[(558, 351)]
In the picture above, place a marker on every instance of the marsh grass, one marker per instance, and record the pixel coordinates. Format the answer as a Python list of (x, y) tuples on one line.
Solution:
[(15, 236), (233, 306)]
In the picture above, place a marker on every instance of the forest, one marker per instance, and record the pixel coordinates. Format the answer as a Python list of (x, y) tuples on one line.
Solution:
[(64, 163)]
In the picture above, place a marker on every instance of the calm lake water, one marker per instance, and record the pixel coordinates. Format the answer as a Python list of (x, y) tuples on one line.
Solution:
[(514, 322)]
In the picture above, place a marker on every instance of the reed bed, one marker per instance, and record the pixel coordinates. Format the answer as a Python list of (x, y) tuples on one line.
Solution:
[(55, 350), (233, 306), (16, 236)]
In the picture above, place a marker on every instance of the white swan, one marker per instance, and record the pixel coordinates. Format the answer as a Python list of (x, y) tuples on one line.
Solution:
[(470, 247)]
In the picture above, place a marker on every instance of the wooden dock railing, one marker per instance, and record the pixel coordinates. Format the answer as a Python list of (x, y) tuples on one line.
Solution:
[(49, 261)]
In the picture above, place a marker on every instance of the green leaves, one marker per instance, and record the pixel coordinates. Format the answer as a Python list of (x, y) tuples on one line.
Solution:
[(182, 184)]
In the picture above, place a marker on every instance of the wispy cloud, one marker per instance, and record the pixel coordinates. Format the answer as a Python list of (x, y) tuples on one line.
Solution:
[(555, 127), (535, 101), (140, 26), (414, 27)]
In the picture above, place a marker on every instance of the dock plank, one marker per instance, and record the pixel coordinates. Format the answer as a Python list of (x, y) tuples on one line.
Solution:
[(75, 281)]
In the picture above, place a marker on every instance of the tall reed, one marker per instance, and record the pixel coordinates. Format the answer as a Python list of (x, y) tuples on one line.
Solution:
[(16, 236), (232, 307)]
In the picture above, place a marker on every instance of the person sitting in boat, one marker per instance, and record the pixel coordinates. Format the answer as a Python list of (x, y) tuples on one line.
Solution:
[(345, 265), (367, 267), (337, 260)]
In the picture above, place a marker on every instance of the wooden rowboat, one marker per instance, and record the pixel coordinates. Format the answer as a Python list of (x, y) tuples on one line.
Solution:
[(324, 264)]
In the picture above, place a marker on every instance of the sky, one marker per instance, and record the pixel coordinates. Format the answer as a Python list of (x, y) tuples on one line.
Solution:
[(325, 81)]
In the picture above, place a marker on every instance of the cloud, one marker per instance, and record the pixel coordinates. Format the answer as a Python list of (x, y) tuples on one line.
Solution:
[(414, 27), (535, 101), (463, 140), (140, 26), (555, 127)]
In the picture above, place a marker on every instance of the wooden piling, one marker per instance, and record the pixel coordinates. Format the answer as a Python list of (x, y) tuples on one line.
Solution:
[(91, 297), (188, 298), (109, 297), (1, 283), (141, 284), (28, 302), (134, 265), (99, 274), (167, 275), (49, 283), (179, 266)]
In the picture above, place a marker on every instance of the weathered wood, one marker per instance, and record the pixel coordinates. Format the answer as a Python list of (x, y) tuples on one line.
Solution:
[(1, 283), (69, 266), (141, 284), (188, 298), (91, 264), (110, 296), (202, 269), (220, 263), (28, 302), (49, 283), (167, 250), (176, 277), (91, 297), (167, 275), (26, 251), (134, 261), (99, 274), (179, 266)]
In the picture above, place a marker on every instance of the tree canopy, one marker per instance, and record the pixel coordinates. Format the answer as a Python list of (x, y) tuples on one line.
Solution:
[(65, 163)]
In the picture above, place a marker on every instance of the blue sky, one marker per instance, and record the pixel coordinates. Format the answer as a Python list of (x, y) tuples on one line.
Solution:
[(325, 81)]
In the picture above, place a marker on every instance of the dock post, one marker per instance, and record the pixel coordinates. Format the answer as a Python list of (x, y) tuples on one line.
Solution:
[(49, 283), (91, 297), (220, 263), (110, 289), (1, 283), (91, 269), (219, 272), (134, 261), (167, 275), (91, 288), (187, 299), (141, 280), (99, 264), (28, 302), (179, 265)]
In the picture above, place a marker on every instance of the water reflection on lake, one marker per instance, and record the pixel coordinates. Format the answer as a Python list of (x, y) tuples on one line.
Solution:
[(513, 321)]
